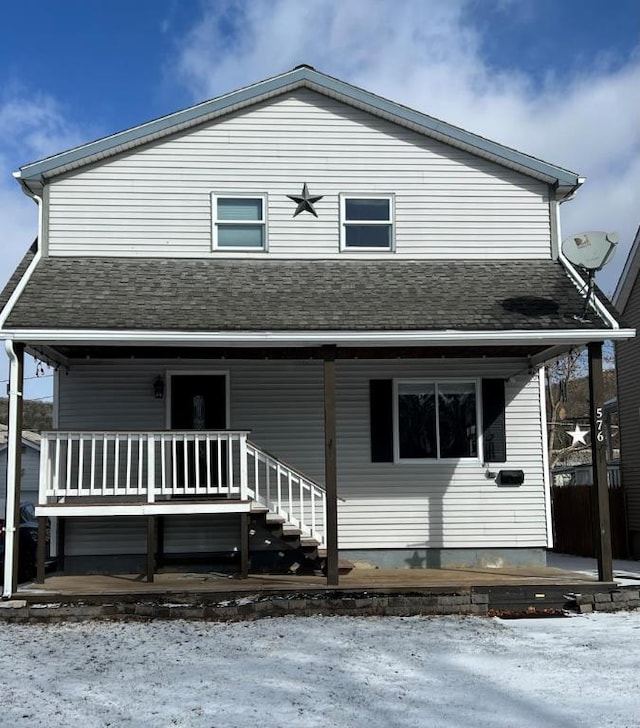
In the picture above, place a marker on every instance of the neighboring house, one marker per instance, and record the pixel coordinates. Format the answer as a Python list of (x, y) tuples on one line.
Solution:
[(30, 467), (627, 301), (303, 302)]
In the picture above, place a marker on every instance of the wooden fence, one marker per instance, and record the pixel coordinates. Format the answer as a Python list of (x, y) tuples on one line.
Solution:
[(573, 521)]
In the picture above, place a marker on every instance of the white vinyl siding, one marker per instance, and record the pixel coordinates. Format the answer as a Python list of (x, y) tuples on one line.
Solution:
[(385, 505), (155, 201)]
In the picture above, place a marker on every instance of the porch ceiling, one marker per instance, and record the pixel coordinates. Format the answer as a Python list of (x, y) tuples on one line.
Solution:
[(81, 351), (236, 295)]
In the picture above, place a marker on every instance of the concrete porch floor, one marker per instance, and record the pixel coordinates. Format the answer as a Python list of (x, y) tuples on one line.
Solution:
[(359, 579)]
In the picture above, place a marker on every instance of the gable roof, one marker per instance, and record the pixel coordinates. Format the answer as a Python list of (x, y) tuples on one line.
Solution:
[(30, 439), (629, 275), (32, 175), (247, 295)]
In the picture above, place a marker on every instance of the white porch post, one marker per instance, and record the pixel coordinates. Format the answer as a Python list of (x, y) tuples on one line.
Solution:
[(15, 352)]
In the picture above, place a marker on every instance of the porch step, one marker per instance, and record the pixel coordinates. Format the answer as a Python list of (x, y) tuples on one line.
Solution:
[(274, 519)]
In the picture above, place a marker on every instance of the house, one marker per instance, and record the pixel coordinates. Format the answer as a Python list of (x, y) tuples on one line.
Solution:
[(30, 474), (297, 316), (627, 300)]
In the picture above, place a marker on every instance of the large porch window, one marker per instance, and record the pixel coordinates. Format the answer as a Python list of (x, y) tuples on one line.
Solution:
[(436, 420)]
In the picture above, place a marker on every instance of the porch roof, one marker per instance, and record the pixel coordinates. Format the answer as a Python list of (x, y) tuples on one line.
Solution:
[(228, 295)]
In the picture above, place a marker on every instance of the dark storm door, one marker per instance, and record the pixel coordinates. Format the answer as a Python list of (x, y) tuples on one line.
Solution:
[(199, 402)]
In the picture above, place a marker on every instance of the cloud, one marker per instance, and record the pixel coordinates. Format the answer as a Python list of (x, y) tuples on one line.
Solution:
[(433, 57), (32, 126)]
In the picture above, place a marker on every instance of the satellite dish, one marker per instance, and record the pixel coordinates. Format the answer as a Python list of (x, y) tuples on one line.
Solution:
[(592, 250)]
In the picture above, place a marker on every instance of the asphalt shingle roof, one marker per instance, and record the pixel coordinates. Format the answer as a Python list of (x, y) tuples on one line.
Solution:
[(292, 295)]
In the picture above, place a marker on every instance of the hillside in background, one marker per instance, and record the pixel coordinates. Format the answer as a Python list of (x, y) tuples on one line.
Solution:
[(37, 416)]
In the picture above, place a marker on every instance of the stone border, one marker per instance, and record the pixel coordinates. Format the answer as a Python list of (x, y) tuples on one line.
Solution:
[(611, 601), (305, 604)]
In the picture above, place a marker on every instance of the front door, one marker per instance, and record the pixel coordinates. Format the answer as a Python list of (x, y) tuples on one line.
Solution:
[(199, 402)]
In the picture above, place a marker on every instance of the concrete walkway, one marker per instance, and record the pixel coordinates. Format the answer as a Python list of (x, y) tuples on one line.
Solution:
[(625, 573)]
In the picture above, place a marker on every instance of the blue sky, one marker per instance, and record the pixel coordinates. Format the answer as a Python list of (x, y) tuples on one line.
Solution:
[(559, 79)]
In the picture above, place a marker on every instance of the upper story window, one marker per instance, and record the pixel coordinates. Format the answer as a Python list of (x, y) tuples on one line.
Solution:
[(366, 222), (436, 420), (239, 222)]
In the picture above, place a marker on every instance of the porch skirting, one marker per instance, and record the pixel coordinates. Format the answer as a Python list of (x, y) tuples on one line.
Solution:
[(446, 558)]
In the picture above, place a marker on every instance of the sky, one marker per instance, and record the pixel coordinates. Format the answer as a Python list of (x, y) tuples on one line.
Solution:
[(558, 79)]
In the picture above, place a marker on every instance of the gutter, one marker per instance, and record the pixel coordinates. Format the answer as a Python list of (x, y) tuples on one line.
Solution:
[(305, 338)]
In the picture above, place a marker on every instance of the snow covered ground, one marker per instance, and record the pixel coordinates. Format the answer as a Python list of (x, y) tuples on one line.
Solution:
[(326, 672)]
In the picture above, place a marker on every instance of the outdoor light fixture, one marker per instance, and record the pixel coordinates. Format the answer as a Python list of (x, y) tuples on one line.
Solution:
[(158, 387)]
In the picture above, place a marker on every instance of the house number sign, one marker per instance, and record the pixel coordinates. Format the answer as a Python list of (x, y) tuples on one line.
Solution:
[(599, 424)]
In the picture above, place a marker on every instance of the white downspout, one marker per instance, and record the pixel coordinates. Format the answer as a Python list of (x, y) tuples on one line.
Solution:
[(14, 437), (13, 443)]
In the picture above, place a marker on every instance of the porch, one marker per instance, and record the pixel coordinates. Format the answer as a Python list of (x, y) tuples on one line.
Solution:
[(157, 474)]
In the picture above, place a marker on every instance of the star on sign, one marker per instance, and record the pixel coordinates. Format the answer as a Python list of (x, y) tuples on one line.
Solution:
[(305, 201), (578, 435)]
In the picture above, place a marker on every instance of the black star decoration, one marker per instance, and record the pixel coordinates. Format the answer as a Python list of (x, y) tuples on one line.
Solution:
[(305, 201)]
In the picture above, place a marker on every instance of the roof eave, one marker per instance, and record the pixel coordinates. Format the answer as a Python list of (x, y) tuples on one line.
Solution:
[(578, 336)]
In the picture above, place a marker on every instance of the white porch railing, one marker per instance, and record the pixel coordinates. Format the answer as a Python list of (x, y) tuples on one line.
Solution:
[(287, 492), (150, 466)]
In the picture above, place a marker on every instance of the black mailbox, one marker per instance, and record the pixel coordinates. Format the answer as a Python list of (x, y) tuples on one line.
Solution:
[(510, 477)]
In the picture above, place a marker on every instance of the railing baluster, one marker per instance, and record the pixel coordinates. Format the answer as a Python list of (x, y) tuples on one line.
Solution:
[(105, 457), (151, 468), (208, 457), (279, 485), (290, 493), (69, 455), (220, 488), (128, 477), (56, 472), (140, 485), (116, 466), (267, 469), (163, 463), (312, 493), (174, 462), (196, 455), (185, 455), (256, 475), (301, 519), (80, 462), (92, 480), (231, 485)]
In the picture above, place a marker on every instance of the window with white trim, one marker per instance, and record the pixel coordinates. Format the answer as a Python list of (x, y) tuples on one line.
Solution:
[(366, 222), (239, 221), (436, 420)]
